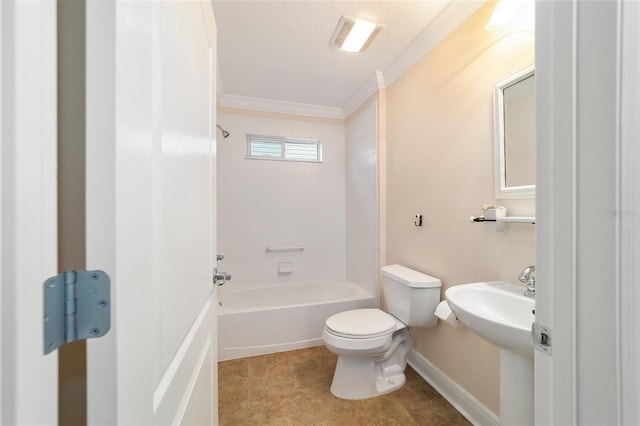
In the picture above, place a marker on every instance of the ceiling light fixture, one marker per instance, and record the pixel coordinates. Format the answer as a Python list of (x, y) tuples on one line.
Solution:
[(354, 35)]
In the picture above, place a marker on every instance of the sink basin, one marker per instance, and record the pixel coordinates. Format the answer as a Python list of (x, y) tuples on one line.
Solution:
[(497, 311)]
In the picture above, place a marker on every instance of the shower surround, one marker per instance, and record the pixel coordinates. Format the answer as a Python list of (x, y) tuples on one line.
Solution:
[(326, 213)]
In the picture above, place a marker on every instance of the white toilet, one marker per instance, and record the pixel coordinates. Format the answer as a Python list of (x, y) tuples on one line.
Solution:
[(372, 345)]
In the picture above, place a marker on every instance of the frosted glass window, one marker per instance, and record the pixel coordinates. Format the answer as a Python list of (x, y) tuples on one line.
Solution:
[(286, 149)]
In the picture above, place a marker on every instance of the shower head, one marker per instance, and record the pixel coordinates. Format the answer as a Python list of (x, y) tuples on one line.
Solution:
[(225, 134)]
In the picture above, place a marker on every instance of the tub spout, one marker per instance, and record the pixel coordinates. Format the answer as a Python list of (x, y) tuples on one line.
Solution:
[(219, 278)]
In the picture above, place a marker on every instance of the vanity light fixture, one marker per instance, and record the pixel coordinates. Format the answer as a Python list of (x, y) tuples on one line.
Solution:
[(354, 35), (514, 15)]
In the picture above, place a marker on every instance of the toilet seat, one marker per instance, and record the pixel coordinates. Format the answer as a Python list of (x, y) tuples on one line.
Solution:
[(361, 324)]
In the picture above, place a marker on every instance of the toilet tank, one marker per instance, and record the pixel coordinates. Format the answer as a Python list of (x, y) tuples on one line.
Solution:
[(411, 296)]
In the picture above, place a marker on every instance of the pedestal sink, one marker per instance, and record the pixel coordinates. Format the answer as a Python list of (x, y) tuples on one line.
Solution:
[(499, 312)]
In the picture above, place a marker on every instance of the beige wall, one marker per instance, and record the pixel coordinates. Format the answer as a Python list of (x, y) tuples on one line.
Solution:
[(439, 163)]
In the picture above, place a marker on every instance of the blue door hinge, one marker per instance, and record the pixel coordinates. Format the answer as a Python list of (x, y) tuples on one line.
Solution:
[(77, 306)]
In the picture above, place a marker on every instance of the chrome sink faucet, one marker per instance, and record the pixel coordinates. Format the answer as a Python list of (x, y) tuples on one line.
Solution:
[(526, 278)]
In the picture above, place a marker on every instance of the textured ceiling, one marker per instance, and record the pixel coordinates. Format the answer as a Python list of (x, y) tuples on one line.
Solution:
[(280, 51)]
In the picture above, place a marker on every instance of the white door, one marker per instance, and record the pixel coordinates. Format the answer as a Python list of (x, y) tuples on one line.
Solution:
[(28, 208), (151, 73), (554, 231), (587, 209)]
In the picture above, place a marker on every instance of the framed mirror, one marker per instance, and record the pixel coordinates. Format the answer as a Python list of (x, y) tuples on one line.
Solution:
[(514, 133)]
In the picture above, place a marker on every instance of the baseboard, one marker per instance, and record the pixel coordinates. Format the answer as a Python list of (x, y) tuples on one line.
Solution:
[(227, 354), (462, 400)]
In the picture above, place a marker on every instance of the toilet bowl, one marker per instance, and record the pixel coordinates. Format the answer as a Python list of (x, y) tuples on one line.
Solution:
[(372, 345)]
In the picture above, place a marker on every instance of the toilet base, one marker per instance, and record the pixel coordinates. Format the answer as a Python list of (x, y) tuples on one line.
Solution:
[(358, 378), (362, 377)]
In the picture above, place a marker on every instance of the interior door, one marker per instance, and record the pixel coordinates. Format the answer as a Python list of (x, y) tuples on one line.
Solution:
[(28, 213), (151, 210), (580, 208)]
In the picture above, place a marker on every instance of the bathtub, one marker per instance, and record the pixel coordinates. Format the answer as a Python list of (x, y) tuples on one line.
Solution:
[(281, 317)]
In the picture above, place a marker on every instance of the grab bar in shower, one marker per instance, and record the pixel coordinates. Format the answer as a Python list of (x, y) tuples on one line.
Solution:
[(283, 248)]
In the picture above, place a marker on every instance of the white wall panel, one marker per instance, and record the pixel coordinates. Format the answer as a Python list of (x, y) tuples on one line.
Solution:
[(264, 203), (362, 198)]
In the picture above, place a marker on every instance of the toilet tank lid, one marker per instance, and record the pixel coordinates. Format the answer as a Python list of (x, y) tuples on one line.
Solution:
[(410, 277)]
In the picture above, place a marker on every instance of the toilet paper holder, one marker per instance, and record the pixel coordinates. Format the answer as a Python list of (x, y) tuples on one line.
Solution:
[(445, 314)]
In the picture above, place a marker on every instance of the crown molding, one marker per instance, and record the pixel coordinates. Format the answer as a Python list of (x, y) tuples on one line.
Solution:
[(282, 107), (449, 19), (370, 87)]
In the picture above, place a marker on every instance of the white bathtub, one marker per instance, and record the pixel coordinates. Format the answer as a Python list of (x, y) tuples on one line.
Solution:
[(281, 317)]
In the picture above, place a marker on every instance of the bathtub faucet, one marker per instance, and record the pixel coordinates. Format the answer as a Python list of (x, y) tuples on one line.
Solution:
[(219, 278)]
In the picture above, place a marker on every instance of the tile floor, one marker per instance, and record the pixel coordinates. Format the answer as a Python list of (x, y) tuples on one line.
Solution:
[(292, 388)]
